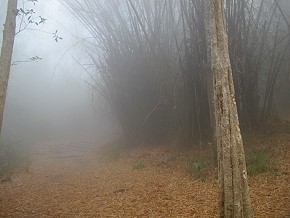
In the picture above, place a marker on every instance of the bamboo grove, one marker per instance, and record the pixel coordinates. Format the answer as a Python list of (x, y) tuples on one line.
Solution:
[(151, 63)]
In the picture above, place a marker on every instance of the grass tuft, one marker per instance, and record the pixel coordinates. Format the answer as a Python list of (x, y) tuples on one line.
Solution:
[(138, 165), (257, 163), (197, 167)]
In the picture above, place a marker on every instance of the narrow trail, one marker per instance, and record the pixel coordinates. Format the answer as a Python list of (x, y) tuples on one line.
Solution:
[(63, 149)]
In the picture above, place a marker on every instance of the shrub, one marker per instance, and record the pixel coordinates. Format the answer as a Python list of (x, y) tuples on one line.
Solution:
[(196, 167)]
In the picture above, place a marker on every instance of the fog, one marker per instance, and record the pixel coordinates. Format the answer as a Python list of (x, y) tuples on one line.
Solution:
[(49, 99), (148, 88), (146, 108)]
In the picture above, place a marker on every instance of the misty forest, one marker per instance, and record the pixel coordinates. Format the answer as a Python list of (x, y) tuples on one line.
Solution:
[(145, 108)]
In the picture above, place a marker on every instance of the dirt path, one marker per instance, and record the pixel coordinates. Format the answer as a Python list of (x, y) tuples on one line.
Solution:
[(72, 180)]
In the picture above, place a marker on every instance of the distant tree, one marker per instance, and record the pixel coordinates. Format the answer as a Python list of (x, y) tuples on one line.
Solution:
[(6, 53), (286, 17), (234, 196)]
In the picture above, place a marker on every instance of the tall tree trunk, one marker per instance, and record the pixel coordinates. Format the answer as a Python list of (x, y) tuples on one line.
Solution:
[(6, 53), (234, 196)]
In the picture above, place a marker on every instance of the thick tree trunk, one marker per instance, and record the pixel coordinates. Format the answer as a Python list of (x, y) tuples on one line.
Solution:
[(234, 196), (6, 53)]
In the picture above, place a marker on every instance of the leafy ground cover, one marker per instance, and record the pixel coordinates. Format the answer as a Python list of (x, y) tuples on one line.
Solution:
[(143, 182)]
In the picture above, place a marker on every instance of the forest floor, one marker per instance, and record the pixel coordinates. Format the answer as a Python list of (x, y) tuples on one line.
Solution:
[(74, 180)]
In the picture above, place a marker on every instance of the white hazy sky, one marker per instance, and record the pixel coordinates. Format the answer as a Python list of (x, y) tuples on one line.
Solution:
[(49, 98)]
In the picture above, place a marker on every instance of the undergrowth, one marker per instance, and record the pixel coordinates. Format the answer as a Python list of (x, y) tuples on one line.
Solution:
[(197, 168), (10, 158), (114, 151), (138, 164), (115, 148), (257, 162)]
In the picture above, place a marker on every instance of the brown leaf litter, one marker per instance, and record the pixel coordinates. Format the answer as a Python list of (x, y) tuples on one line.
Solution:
[(104, 186)]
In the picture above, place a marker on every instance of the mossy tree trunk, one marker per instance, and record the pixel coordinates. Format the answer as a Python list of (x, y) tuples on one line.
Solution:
[(234, 196), (6, 53)]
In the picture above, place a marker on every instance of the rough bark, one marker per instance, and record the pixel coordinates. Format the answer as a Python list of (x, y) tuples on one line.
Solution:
[(6, 53), (234, 196)]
